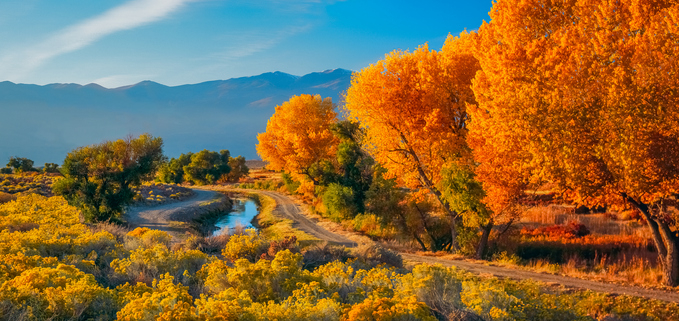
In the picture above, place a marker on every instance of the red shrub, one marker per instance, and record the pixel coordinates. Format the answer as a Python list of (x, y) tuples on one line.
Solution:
[(570, 230)]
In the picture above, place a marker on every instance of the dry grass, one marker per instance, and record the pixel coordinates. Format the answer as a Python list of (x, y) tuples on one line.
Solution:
[(638, 271), (596, 223), (323, 253), (119, 231)]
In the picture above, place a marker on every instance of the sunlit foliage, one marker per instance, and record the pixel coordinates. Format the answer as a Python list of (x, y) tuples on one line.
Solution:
[(583, 94), (206, 167), (298, 136), (99, 178)]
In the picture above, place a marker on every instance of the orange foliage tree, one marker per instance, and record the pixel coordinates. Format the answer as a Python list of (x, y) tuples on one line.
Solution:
[(298, 136), (584, 94), (412, 106)]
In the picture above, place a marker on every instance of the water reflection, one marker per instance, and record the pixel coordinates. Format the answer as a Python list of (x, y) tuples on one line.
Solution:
[(244, 210)]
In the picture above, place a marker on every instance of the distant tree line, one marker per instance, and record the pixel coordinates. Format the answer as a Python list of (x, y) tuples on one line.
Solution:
[(18, 165), (203, 168)]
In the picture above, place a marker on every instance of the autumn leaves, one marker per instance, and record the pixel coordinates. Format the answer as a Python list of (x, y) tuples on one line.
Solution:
[(582, 94)]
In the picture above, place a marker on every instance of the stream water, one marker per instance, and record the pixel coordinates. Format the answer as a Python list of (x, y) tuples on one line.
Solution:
[(244, 210)]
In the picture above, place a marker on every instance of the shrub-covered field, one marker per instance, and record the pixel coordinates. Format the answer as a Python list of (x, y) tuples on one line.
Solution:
[(152, 193), (54, 267), (30, 182)]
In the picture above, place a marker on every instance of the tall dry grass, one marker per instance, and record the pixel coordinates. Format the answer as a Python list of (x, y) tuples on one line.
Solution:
[(628, 270), (596, 223)]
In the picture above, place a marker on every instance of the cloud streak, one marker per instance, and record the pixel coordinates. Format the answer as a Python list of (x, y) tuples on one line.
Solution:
[(252, 43), (127, 16)]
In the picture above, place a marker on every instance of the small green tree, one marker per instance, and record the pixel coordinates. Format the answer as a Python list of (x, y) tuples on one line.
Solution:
[(290, 183), (98, 179), (51, 168), (20, 164), (238, 168), (207, 167), (173, 171), (464, 194), (355, 165), (339, 202)]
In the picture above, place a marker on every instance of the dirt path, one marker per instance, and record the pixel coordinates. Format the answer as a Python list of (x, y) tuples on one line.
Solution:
[(159, 217), (287, 208)]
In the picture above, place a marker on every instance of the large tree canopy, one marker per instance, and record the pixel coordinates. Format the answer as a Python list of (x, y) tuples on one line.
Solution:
[(98, 178), (413, 108), (298, 136), (584, 94)]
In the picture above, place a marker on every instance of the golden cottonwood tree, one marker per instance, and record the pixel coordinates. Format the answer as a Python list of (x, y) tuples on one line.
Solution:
[(412, 106), (298, 135), (583, 93)]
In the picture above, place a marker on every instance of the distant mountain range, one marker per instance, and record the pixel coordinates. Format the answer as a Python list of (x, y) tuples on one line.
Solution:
[(44, 123)]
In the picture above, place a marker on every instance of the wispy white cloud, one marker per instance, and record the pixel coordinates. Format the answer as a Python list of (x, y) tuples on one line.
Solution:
[(127, 16)]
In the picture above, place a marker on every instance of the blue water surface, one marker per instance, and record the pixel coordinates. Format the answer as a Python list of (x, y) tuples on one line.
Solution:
[(242, 214)]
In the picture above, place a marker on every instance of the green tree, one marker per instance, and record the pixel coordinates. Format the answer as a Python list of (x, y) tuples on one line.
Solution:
[(20, 164), (173, 171), (339, 202), (99, 178), (355, 165), (238, 168), (207, 167), (464, 195), (51, 168)]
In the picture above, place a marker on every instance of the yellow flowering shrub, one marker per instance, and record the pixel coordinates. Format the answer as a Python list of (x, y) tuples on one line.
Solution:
[(62, 292), (264, 280), (145, 237), (167, 301), (58, 232), (145, 264), (388, 309), (245, 246), (310, 302)]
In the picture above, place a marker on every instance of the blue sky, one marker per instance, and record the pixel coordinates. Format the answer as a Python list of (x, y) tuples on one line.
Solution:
[(121, 42)]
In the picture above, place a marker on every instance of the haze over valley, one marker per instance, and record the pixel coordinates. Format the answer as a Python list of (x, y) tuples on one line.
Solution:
[(210, 115)]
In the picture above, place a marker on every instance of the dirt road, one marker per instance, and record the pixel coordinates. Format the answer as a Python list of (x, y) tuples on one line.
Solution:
[(287, 208), (159, 217)]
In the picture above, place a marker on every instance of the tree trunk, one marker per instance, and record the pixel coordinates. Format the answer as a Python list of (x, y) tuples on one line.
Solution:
[(666, 242), (671, 260), (424, 179), (671, 265), (434, 241), (483, 243), (454, 246), (415, 236)]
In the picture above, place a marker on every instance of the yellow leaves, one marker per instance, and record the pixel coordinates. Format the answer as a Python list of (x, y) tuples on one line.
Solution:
[(413, 108), (578, 91), (298, 135)]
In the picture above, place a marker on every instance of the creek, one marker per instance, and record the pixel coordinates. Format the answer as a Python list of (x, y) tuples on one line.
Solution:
[(244, 211)]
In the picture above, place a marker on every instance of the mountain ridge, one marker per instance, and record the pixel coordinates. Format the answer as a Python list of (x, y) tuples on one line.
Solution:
[(45, 122)]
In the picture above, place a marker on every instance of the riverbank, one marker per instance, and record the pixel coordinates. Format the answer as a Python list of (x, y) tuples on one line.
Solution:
[(176, 218)]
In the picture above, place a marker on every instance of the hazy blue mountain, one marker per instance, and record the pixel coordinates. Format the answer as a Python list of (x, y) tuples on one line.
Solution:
[(44, 123)]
